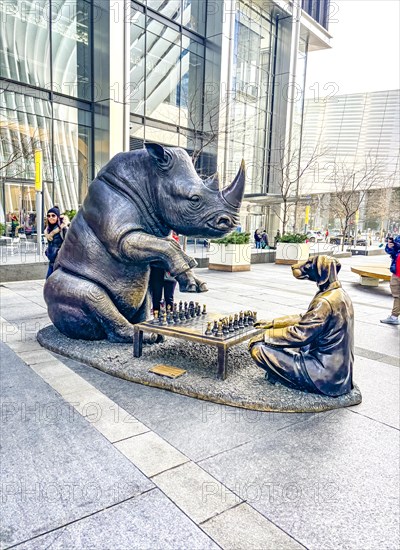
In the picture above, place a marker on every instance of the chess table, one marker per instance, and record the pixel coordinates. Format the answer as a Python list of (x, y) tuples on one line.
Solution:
[(193, 331)]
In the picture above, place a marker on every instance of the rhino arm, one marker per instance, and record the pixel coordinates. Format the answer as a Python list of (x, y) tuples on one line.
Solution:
[(141, 247)]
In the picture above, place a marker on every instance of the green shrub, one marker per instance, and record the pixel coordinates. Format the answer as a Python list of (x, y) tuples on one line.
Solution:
[(70, 214), (234, 238), (293, 238), (2, 229)]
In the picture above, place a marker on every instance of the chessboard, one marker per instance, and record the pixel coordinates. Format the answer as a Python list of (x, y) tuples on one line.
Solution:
[(191, 317), (190, 321)]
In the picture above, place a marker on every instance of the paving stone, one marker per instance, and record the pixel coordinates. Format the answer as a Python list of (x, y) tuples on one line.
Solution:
[(32, 357), (150, 453), (242, 528), (147, 522), (63, 380), (105, 415), (19, 347), (330, 482), (380, 389), (55, 467), (214, 428), (197, 493)]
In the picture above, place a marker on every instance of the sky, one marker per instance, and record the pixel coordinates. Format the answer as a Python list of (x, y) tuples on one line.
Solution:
[(365, 54)]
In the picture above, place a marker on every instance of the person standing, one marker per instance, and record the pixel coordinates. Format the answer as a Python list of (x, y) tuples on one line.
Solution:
[(393, 249), (277, 238), (54, 234), (257, 238), (14, 226), (161, 283), (264, 239)]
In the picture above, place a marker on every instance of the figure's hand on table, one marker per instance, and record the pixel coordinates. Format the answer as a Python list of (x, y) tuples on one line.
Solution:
[(262, 323)]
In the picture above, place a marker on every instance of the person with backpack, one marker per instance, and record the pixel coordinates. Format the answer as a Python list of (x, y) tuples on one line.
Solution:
[(54, 234)]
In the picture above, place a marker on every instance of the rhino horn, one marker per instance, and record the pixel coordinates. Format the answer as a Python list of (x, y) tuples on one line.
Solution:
[(212, 182), (233, 194)]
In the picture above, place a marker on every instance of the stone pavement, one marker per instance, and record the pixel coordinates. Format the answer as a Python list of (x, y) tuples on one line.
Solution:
[(94, 462)]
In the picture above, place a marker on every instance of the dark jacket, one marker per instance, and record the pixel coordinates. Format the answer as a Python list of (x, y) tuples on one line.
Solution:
[(393, 253), (55, 237), (325, 338)]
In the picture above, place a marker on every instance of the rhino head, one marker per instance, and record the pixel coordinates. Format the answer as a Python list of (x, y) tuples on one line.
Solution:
[(186, 203)]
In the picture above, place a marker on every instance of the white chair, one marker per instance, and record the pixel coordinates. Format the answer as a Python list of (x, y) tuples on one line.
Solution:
[(11, 244), (27, 245)]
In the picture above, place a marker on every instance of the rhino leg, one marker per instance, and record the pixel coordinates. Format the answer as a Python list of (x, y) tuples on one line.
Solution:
[(81, 309)]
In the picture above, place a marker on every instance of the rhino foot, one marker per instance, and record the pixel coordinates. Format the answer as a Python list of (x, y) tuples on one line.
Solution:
[(189, 283)]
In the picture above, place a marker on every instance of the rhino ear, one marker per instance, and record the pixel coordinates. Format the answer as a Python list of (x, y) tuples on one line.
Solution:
[(162, 156), (156, 151)]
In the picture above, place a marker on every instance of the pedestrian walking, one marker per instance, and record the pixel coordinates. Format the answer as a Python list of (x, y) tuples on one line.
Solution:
[(393, 249)]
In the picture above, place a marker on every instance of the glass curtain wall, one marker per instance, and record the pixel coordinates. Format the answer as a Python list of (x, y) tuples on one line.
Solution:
[(248, 105), (45, 51), (167, 75)]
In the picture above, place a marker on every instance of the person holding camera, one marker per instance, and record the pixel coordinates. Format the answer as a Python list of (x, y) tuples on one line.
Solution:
[(393, 249)]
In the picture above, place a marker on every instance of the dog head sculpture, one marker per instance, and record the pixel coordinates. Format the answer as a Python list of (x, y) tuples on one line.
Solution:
[(321, 269)]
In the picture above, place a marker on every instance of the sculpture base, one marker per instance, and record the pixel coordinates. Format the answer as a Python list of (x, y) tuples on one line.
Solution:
[(245, 386)]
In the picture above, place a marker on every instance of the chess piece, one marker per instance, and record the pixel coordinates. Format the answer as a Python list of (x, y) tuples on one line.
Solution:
[(180, 306), (246, 320), (236, 322), (164, 319), (219, 330), (156, 319), (231, 329), (208, 331), (241, 325), (225, 328), (204, 312), (215, 328)]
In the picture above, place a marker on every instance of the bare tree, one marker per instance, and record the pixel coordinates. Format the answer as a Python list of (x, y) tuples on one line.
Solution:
[(383, 206), (291, 166), (352, 184)]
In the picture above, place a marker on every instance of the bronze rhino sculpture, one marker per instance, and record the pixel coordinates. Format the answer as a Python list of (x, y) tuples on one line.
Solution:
[(99, 288)]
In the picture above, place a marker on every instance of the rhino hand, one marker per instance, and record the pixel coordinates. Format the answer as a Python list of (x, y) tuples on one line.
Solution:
[(189, 283)]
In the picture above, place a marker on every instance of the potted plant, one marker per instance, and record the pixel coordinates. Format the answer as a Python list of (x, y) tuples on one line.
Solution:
[(292, 248), (232, 253)]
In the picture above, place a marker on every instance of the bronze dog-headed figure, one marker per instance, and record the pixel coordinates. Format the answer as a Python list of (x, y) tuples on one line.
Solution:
[(312, 352)]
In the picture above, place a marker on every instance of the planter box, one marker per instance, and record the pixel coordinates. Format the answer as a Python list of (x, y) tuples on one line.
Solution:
[(229, 257), (291, 253)]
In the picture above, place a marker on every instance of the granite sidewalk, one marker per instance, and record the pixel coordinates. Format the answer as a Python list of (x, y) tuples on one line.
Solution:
[(91, 461)]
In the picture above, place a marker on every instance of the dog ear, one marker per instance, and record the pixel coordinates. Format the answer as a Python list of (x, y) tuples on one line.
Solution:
[(327, 269)]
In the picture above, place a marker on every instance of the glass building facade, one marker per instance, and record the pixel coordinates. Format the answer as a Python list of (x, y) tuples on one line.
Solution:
[(45, 103), (83, 79)]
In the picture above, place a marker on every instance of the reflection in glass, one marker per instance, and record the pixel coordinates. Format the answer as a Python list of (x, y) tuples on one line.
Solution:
[(162, 77), (247, 106), (71, 48), (25, 33), (137, 62), (168, 8), (194, 15), (26, 125)]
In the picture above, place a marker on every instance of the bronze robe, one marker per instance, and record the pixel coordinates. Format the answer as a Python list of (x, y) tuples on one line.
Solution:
[(315, 351)]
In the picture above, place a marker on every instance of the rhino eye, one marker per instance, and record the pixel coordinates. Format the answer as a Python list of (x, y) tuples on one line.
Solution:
[(195, 199)]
